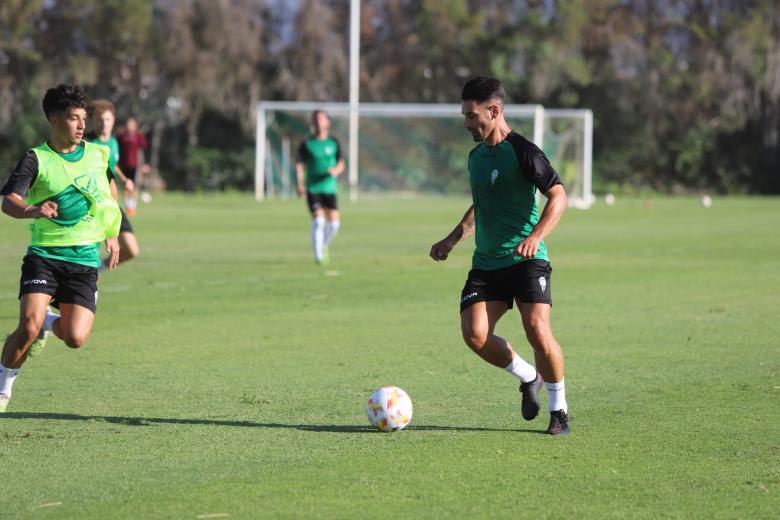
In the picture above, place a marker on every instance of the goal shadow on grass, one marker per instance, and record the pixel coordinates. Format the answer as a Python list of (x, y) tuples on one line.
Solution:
[(152, 421)]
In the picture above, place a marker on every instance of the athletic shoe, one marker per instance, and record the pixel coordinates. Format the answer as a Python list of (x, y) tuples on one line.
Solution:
[(559, 423), (4, 399), (530, 404), (324, 259), (130, 211)]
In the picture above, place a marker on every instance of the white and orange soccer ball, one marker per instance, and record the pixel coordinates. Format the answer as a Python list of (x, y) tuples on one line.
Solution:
[(389, 409)]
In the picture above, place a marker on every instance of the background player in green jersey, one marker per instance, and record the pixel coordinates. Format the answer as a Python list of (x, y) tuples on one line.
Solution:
[(318, 167), (104, 118), (65, 186), (510, 263)]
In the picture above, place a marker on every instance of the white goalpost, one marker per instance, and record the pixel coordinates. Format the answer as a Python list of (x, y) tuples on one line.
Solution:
[(415, 147)]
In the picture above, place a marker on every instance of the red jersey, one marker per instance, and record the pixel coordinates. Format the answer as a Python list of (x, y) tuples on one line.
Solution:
[(129, 144)]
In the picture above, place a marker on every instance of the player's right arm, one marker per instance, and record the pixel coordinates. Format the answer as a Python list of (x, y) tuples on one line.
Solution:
[(299, 168), (299, 176), (16, 188), (465, 228)]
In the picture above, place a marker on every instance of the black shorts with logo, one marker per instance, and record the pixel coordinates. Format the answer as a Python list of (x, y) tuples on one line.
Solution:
[(317, 201), (64, 281), (125, 226), (528, 281)]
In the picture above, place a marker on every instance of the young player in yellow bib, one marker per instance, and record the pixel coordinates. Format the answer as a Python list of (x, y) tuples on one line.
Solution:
[(510, 263), (65, 187), (319, 158)]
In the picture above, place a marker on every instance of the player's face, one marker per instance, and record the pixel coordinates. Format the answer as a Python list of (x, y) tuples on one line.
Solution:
[(132, 126), (104, 122), (322, 122), (69, 125), (479, 118)]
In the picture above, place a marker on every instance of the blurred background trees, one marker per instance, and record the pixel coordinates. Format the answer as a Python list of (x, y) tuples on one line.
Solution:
[(685, 93)]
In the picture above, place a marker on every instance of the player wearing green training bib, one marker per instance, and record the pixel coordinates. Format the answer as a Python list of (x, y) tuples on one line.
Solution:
[(510, 263), (318, 167), (65, 186), (103, 118)]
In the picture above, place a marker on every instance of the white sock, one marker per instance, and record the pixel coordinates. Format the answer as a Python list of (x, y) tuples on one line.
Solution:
[(129, 202), (331, 229), (7, 378), (318, 236), (556, 392), (48, 321), (521, 369)]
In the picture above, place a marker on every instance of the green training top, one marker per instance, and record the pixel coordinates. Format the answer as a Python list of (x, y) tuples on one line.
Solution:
[(318, 155), (113, 150), (504, 179), (72, 206)]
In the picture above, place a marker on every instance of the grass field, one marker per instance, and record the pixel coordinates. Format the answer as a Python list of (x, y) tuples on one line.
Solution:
[(226, 374)]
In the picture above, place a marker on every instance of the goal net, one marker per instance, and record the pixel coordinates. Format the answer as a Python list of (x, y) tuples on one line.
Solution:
[(410, 148)]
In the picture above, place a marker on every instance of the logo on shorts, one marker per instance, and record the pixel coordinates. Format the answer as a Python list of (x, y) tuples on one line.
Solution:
[(467, 297), (543, 283), (34, 282), (493, 177)]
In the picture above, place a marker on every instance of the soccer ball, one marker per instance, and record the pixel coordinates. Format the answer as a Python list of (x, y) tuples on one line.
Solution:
[(706, 201), (389, 409)]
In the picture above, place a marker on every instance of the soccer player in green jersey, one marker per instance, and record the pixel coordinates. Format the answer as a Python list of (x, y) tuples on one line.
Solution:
[(104, 117), (510, 262), (319, 157), (65, 187)]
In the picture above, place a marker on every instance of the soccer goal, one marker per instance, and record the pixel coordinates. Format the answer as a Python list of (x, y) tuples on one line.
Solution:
[(410, 147)]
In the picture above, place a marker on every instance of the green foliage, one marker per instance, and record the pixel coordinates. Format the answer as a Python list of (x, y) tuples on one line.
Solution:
[(685, 94), (219, 169)]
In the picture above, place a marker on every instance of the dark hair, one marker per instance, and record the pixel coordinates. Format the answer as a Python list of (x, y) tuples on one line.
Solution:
[(62, 97), (101, 106), (316, 113), (483, 88)]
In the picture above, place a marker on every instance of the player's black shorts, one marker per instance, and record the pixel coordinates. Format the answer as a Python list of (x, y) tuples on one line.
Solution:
[(129, 172), (318, 201), (64, 281), (527, 281), (125, 226)]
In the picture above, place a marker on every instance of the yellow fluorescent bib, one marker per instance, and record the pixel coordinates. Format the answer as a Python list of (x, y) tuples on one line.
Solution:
[(88, 175)]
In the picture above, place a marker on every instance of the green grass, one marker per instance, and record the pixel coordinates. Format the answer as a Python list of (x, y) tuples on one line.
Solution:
[(227, 373)]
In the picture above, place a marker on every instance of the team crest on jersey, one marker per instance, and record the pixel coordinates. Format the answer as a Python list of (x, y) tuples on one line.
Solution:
[(328, 150), (493, 177)]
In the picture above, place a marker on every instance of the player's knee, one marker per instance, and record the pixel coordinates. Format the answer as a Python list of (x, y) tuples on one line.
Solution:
[(75, 340), (538, 332), (29, 330), (475, 339)]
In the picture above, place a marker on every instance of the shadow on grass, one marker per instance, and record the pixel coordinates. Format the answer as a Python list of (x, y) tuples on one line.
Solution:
[(151, 421)]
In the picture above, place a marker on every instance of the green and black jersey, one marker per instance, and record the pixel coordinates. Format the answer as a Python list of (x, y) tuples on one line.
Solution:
[(317, 155), (504, 179)]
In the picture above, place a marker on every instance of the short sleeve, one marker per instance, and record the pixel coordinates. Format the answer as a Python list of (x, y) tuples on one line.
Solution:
[(534, 164), (338, 149), (303, 152), (23, 176)]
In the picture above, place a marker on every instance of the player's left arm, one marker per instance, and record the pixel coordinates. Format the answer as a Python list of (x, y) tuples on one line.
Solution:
[(337, 170), (557, 201), (538, 170), (112, 185)]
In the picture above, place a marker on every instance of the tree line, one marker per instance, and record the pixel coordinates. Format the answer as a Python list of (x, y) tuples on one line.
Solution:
[(685, 93)]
